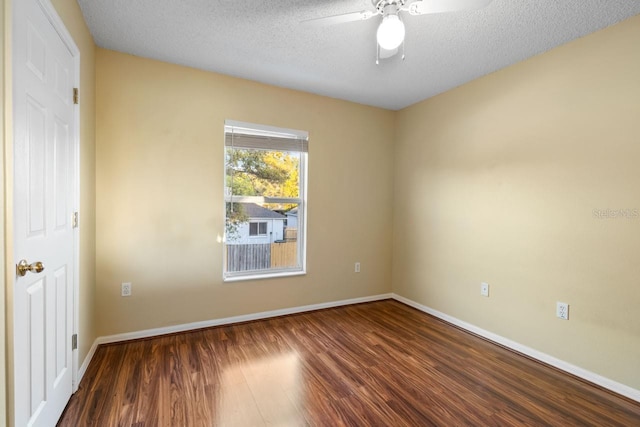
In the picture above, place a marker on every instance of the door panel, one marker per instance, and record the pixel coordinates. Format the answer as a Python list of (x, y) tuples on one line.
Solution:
[(60, 356), (35, 141), (61, 164), (36, 342), (36, 51)]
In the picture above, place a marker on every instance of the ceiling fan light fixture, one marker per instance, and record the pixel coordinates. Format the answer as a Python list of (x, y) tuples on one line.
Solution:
[(390, 32)]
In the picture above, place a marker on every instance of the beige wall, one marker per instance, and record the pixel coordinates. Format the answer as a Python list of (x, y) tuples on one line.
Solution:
[(72, 17), (497, 181), (160, 191)]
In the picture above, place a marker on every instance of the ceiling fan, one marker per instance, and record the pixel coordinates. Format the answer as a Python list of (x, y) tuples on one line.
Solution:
[(391, 32)]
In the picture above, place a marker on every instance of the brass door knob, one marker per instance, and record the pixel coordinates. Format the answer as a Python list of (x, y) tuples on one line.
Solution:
[(23, 266)]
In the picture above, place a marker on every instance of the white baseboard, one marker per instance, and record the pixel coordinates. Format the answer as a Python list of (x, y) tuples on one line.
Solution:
[(87, 360), (147, 333), (592, 377)]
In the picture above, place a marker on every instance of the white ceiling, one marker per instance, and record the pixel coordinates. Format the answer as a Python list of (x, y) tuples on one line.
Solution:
[(265, 41)]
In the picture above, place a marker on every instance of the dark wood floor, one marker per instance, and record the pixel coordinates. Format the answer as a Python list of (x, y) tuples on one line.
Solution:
[(375, 364)]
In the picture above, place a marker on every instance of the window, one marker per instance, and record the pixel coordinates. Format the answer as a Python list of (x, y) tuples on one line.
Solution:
[(257, 229), (265, 201)]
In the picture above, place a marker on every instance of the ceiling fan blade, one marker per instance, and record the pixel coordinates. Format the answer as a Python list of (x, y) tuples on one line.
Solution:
[(423, 7), (341, 19)]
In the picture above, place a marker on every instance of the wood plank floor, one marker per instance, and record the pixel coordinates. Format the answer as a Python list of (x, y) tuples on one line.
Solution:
[(374, 364)]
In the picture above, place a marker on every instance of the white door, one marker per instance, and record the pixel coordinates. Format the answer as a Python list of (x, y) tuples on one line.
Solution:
[(44, 180)]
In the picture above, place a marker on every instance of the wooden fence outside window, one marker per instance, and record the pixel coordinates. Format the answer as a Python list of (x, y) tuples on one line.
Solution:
[(261, 256)]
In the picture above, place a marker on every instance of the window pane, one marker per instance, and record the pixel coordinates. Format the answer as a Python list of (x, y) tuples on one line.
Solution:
[(253, 229), (271, 244)]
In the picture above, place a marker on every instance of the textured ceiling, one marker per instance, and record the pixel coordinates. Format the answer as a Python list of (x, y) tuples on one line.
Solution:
[(265, 41)]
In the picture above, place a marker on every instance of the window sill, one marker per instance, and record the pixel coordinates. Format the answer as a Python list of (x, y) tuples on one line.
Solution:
[(275, 274)]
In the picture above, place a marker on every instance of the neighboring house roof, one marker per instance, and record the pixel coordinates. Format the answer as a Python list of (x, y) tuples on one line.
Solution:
[(255, 211), (292, 212)]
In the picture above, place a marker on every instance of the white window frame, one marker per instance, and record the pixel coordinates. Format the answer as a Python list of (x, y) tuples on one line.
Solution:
[(285, 137)]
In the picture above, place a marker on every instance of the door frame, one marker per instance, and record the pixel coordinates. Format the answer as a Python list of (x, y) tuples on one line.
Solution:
[(52, 16)]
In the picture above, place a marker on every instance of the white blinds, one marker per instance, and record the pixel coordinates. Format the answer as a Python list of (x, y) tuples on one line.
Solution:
[(241, 135)]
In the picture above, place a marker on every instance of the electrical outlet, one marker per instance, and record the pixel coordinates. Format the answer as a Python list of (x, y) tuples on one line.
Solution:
[(126, 289), (484, 289), (562, 310), (357, 267)]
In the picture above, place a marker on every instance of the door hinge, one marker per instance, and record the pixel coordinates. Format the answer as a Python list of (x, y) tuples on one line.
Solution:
[(74, 342), (76, 96), (75, 220)]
